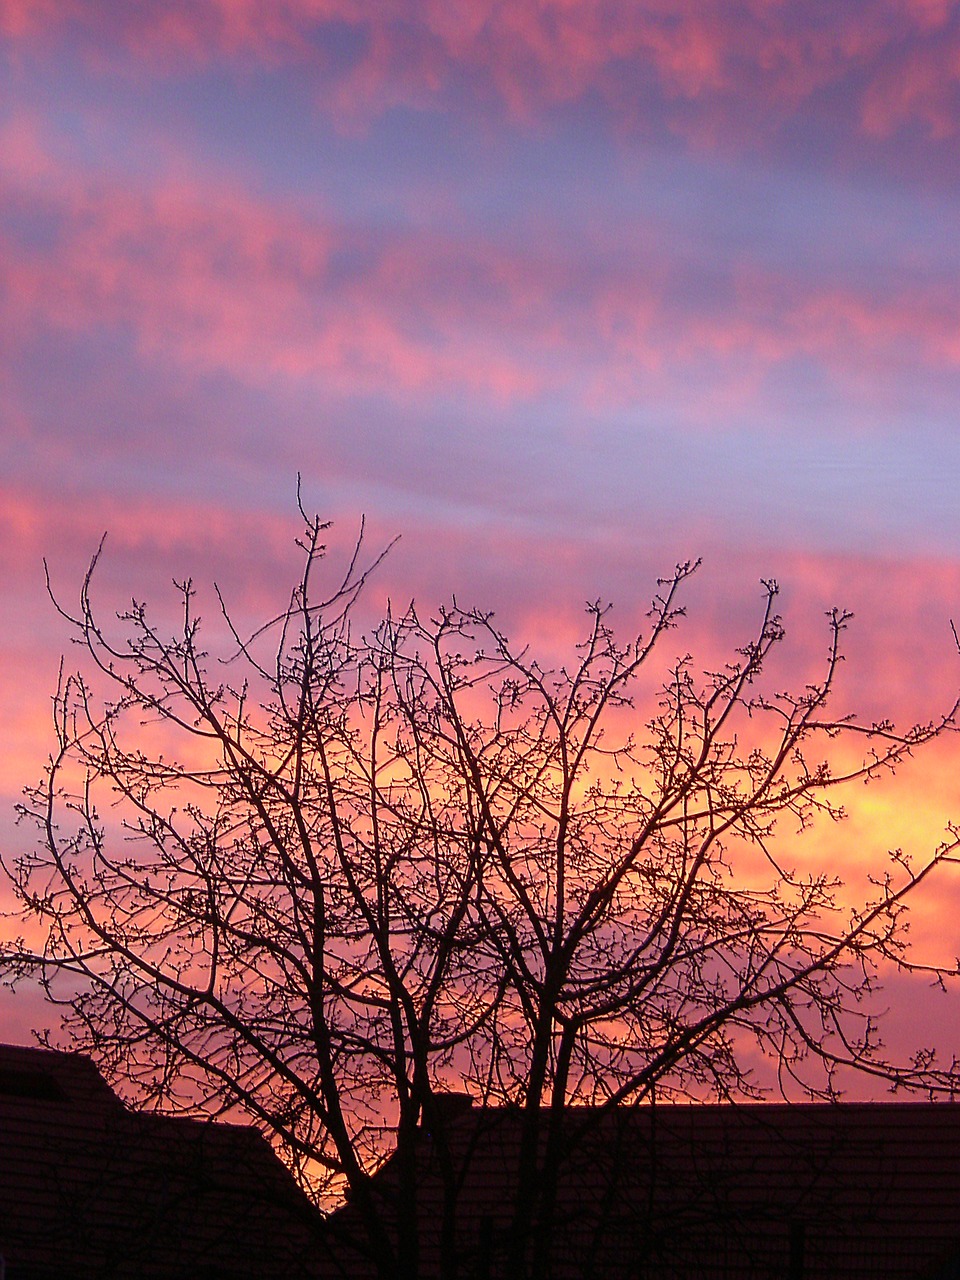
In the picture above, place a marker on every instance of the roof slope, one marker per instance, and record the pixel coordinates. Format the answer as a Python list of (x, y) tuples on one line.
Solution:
[(90, 1188), (754, 1192)]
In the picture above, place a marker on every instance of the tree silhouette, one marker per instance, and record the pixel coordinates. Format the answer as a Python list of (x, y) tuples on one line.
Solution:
[(338, 875)]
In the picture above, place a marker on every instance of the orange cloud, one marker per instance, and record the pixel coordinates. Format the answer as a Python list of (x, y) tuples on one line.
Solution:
[(901, 656)]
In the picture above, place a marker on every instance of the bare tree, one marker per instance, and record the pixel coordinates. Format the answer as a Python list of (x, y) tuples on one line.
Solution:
[(337, 875)]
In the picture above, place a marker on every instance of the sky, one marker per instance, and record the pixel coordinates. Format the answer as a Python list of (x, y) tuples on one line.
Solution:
[(560, 291)]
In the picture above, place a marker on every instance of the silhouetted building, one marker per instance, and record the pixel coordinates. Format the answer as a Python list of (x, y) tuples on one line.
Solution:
[(93, 1190), (856, 1191)]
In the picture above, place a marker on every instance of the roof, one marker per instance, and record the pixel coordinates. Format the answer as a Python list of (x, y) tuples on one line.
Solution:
[(750, 1192), (716, 1192), (90, 1188)]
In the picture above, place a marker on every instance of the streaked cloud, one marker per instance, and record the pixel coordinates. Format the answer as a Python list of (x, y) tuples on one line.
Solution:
[(221, 280), (530, 55)]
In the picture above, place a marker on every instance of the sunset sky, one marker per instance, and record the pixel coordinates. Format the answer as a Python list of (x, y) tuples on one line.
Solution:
[(561, 291)]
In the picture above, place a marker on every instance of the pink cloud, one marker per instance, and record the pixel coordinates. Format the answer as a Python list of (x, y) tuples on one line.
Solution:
[(924, 15), (532, 54), (538, 581), (222, 281), (26, 157), (902, 661), (29, 19), (153, 532), (902, 658), (218, 280), (920, 88)]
